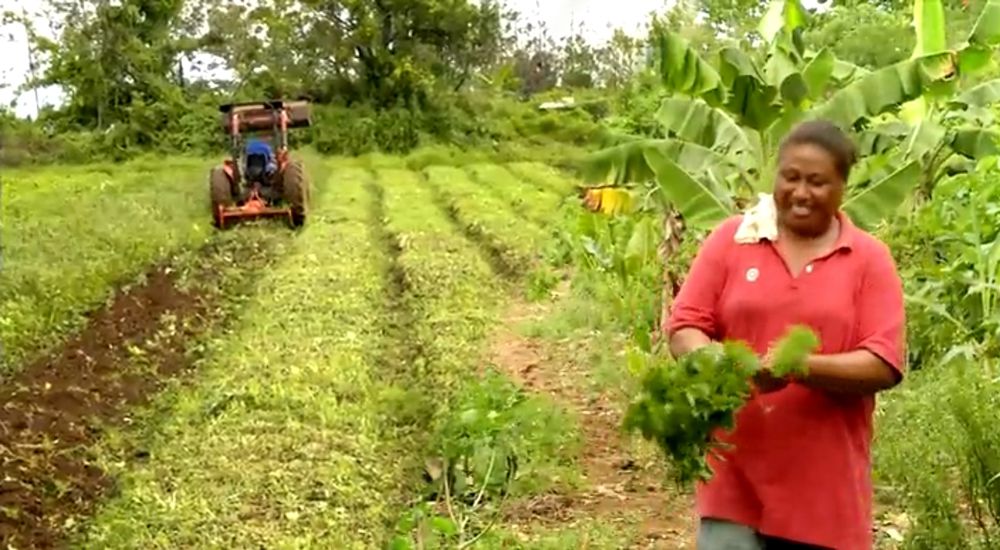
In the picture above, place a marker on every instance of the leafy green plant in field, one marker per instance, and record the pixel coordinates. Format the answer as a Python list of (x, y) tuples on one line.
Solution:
[(938, 455), (490, 440), (684, 402), (948, 251), (937, 447), (447, 286), (544, 176), (620, 268), (497, 443), (71, 234)]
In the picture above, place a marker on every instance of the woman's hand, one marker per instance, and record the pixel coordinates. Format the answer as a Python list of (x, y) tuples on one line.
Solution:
[(765, 380)]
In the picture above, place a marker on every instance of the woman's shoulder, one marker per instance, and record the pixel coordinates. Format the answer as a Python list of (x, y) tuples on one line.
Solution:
[(870, 247), (721, 236), (726, 229)]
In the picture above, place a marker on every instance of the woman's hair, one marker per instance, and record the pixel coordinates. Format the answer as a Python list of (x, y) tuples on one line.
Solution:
[(825, 134)]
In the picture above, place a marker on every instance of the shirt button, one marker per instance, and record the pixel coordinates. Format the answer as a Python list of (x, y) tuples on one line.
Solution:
[(809, 268)]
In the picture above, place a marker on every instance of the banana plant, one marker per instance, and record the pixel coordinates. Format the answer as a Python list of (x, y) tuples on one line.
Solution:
[(724, 122)]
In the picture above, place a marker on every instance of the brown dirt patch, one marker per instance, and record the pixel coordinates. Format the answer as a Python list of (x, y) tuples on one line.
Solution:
[(621, 486), (54, 409)]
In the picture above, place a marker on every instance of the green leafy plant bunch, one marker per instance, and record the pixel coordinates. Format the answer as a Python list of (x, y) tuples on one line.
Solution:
[(683, 402)]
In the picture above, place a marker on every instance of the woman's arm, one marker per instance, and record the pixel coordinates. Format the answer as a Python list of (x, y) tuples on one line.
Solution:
[(858, 372), (686, 340), (692, 320), (877, 361)]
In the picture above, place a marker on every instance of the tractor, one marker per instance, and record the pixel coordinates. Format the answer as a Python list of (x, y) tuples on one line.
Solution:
[(260, 180)]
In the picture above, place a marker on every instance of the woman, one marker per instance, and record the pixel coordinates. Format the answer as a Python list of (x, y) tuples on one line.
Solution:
[(800, 473)]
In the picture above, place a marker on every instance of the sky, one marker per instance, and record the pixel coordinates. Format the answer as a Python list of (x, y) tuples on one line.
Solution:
[(597, 17)]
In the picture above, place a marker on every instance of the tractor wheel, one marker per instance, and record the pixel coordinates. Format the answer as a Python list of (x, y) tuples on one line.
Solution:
[(295, 188), (222, 194)]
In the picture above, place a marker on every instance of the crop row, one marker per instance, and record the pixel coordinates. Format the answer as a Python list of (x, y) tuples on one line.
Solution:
[(537, 204), (543, 176), (488, 218), (70, 234), (446, 277), (278, 444)]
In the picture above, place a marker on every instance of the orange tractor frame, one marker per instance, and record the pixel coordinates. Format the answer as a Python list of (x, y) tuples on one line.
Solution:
[(241, 188)]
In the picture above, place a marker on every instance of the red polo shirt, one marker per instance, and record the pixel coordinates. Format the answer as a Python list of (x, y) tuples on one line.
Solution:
[(801, 467)]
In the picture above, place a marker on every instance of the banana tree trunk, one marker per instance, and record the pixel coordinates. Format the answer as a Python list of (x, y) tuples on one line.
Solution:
[(673, 233)]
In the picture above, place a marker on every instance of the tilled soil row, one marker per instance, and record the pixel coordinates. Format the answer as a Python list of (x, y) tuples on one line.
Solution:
[(56, 408)]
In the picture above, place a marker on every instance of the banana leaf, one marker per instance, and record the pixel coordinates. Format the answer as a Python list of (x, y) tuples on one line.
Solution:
[(976, 53), (981, 95), (750, 97), (683, 71), (694, 121), (871, 205), (976, 143), (700, 204), (781, 16), (886, 89)]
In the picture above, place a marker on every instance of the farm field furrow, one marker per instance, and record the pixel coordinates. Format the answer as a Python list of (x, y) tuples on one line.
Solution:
[(536, 204), (72, 234), (543, 176), (487, 217), (62, 405), (454, 301), (277, 443), (446, 277)]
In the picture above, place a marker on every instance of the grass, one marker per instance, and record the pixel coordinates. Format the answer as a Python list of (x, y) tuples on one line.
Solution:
[(514, 241), (544, 176), (72, 234)]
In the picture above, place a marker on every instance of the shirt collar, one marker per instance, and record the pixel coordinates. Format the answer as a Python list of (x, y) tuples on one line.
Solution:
[(848, 232), (846, 238)]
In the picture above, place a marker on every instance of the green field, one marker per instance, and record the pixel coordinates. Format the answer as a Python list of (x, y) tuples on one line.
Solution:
[(431, 362), (353, 355)]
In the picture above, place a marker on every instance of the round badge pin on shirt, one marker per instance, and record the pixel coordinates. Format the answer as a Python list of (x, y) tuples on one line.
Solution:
[(752, 274)]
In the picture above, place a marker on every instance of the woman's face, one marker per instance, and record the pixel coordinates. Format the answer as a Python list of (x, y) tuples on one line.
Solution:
[(808, 189)]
